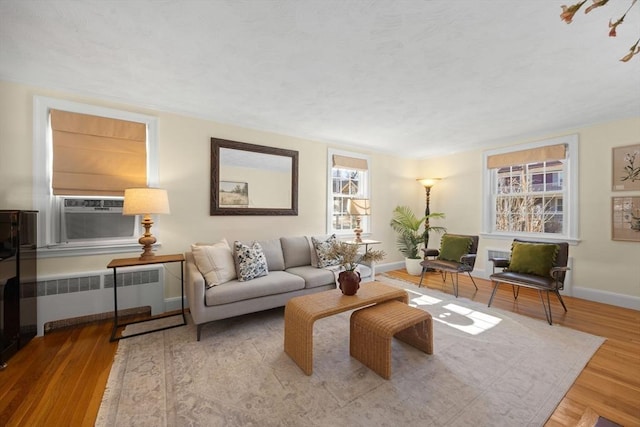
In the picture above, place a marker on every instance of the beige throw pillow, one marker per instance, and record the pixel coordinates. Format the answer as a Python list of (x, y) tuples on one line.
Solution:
[(215, 262)]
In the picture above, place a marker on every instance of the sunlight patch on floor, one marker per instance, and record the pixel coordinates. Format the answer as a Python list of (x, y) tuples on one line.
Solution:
[(480, 322)]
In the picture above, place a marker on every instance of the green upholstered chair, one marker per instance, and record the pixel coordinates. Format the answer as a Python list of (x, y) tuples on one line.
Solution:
[(537, 265), (457, 254)]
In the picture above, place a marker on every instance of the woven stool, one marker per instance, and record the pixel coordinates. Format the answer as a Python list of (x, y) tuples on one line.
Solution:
[(373, 327)]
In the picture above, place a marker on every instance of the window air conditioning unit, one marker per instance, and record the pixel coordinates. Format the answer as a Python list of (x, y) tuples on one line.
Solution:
[(95, 219)]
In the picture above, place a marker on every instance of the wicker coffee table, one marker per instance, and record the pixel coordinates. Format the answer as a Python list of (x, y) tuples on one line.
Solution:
[(301, 312)]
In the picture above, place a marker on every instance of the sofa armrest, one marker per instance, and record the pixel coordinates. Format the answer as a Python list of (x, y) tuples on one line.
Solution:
[(195, 288)]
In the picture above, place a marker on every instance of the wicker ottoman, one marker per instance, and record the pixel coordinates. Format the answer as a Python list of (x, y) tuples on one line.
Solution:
[(373, 327)]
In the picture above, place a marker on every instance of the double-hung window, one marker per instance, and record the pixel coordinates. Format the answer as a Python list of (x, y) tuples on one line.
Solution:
[(531, 190), (84, 158), (348, 178)]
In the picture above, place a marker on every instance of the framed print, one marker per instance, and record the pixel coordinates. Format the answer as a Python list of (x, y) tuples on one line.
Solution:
[(626, 168), (625, 218), (234, 194)]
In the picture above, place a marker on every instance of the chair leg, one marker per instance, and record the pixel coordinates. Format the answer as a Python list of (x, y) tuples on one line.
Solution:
[(495, 288), (455, 284), (547, 307), (516, 291), (422, 276), (472, 281), (561, 301)]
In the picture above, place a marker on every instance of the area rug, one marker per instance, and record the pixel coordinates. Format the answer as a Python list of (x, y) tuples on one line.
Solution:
[(489, 368)]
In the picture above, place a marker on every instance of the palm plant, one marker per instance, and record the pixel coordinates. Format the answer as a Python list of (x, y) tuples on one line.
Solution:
[(407, 225)]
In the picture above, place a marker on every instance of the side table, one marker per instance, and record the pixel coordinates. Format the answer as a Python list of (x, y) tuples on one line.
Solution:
[(133, 262)]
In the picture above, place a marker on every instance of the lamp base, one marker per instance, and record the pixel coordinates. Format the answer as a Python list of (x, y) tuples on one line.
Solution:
[(147, 240)]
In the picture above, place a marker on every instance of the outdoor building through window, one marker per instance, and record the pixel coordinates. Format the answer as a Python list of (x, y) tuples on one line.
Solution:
[(532, 190)]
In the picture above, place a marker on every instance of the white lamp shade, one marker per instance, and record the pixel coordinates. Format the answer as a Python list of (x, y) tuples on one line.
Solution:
[(358, 207), (143, 201)]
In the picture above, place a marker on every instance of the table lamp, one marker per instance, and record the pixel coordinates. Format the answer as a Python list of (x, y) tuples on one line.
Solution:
[(358, 207), (146, 201)]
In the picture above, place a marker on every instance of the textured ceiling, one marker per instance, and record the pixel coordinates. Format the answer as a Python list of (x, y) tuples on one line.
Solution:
[(416, 78)]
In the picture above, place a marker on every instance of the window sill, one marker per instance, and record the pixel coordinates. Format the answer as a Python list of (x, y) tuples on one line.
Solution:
[(77, 250), (528, 236)]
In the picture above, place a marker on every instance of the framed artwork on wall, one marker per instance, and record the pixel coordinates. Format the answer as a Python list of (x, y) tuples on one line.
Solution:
[(625, 218), (626, 168), (234, 194)]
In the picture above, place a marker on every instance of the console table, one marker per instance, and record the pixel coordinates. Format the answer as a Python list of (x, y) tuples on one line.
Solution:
[(136, 262)]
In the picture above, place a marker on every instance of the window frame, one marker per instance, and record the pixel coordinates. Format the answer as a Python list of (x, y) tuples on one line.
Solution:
[(365, 223), (43, 199), (570, 203)]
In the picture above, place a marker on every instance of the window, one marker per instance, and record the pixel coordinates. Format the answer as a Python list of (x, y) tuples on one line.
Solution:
[(58, 135), (348, 178), (532, 191)]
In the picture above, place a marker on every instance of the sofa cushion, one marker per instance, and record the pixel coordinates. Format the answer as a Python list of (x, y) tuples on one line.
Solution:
[(323, 247), (296, 251), (277, 282), (313, 277), (533, 258), (250, 261), (272, 250), (215, 262), (452, 248)]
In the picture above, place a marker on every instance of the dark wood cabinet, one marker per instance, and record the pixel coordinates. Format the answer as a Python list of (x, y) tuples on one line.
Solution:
[(18, 281)]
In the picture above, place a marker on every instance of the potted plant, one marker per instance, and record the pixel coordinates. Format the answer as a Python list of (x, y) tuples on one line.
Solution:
[(407, 225), (350, 257)]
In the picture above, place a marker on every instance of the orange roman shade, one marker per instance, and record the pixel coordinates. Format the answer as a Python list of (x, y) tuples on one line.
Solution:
[(97, 155), (523, 157), (345, 162)]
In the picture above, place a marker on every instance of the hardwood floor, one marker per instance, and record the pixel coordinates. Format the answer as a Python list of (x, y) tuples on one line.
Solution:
[(59, 379)]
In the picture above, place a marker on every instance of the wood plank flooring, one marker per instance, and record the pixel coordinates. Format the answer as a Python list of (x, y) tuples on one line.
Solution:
[(59, 379)]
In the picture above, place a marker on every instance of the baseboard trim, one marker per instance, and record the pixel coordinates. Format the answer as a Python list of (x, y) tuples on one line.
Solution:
[(83, 320), (619, 300)]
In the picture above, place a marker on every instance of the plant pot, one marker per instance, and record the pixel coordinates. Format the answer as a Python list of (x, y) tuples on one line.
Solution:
[(349, 282), (413, 266)]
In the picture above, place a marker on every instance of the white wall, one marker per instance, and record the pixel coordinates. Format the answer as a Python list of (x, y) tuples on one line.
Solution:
[(603, 270)]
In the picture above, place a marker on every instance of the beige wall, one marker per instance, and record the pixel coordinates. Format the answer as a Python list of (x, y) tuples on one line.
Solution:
[(601, 266), (184, 170)]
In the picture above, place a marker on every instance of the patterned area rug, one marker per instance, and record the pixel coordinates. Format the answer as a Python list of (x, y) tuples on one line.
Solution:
[(489, 368)]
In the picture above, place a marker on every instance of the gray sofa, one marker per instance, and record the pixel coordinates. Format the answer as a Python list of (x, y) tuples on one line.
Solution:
[(290, 274)]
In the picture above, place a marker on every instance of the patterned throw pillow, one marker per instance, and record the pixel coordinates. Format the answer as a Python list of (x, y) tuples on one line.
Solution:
[(322, 248), (250, 261)]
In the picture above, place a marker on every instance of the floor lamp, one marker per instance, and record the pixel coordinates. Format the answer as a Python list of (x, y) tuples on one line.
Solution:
[(146, 201), (427, 183)]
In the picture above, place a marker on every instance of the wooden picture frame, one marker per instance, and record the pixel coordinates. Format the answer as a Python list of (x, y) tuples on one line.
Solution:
[(234, 194), (625, 173), (625, 218)]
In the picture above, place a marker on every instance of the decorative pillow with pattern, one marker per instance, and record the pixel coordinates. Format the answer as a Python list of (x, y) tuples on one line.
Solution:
[(250, 261), (322, 248)]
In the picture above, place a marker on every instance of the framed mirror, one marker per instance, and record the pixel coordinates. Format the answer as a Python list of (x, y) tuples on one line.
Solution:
[(250, 179)]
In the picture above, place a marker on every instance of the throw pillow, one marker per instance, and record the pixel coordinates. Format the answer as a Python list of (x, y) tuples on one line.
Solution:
[(250, 261), (452, 248), (215, 262), (533, 258), (322, 248)]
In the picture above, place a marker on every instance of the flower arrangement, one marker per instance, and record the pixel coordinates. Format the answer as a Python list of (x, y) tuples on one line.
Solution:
[(569, 11), (349, 256), (632, 171)]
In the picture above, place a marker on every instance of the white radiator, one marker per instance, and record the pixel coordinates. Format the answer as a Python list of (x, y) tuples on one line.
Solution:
[(63, 297)]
